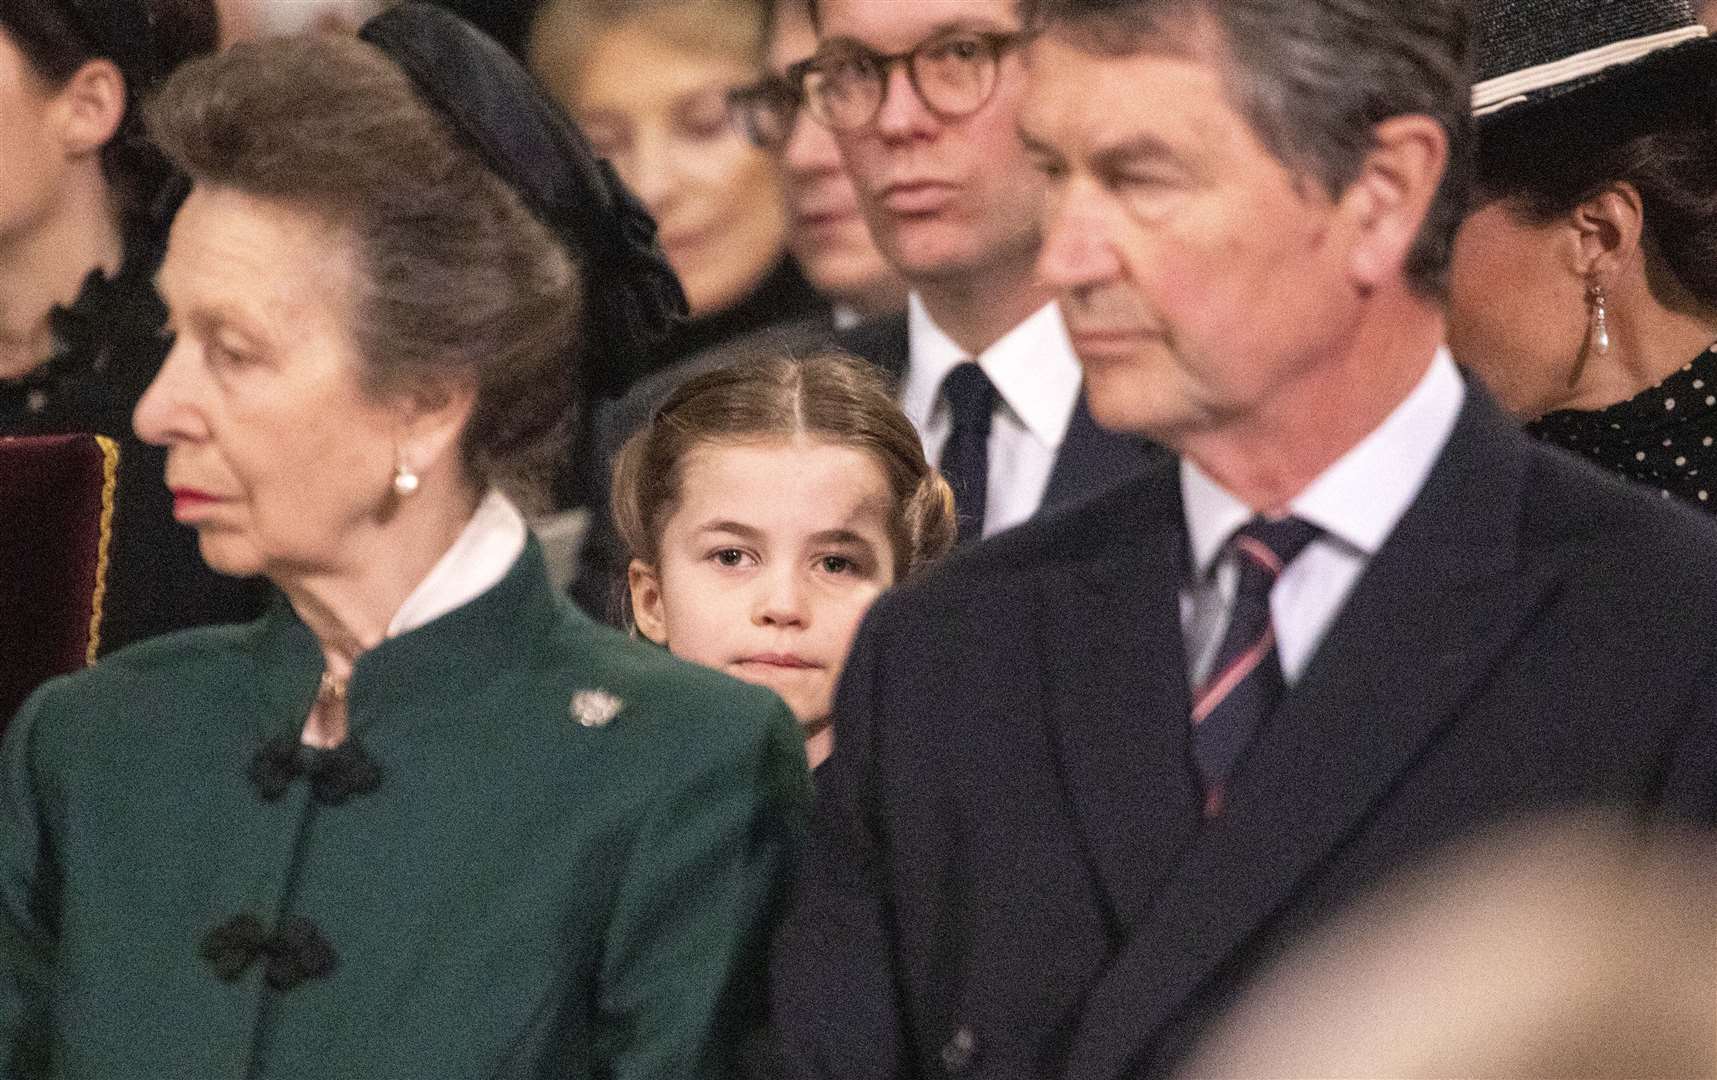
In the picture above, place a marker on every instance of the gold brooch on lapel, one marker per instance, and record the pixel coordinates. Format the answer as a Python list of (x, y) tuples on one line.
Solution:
[(595, 708)]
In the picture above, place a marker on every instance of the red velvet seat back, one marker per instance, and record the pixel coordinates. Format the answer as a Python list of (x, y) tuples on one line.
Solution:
[(56, 517)]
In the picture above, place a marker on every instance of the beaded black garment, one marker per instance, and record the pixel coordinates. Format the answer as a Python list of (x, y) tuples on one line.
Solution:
[(1665, 437), (115, 323)]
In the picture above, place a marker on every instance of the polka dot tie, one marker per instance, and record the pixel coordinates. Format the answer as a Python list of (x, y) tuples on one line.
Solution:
[(1245, 683)]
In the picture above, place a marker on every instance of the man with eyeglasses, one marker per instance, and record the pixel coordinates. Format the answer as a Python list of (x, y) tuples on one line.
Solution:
[(921, 99), (825, 231)]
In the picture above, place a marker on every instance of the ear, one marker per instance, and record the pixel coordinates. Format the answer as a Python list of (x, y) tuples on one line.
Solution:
[(1387, 202), (644, 586), (1608, 228), (90, 107), (431, 421)]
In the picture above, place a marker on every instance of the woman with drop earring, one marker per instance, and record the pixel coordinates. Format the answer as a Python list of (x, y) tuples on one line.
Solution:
[(1583, 288)]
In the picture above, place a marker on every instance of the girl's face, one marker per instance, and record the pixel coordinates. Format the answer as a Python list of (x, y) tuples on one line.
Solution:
[(773, 556), (659, 113)]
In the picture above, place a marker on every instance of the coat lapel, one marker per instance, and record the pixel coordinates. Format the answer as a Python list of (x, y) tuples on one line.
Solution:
[(1437, 607), (1116, 677)]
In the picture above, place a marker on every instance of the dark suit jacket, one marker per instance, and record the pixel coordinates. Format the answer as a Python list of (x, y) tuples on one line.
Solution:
[(1009, 875), (1090, 458)]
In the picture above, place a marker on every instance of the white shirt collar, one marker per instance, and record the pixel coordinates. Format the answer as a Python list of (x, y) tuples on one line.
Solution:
[(1032, 366), (485, 550), (1360, 498)]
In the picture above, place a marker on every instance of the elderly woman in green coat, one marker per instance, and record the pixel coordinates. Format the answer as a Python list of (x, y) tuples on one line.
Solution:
[(422, 819)]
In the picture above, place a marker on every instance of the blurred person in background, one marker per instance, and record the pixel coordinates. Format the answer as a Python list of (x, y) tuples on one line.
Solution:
[(245, 20), (825, 229), (648, 81), (421, 818), (1558, 948), (85, 203), (1584, 284)]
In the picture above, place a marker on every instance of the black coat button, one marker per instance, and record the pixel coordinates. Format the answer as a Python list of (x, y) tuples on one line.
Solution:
[(960, 1051)]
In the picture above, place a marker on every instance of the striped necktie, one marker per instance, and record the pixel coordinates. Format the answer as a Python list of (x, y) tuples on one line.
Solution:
[(1245, 683)]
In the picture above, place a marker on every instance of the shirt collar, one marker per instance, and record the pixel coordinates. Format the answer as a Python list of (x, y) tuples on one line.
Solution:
[(1032, 367), (1360, 498), (485, 550)]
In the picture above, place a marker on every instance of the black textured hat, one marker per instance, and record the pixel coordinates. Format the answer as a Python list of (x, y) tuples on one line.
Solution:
[(1535, 53), (632, 297)]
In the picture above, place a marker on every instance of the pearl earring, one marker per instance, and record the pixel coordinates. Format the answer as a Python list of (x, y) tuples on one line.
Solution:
[(1600, 321), (404, 479)]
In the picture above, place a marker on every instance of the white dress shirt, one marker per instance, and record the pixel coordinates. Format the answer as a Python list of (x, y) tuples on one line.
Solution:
[(485, 550), (1037, 378), (1356, 502)]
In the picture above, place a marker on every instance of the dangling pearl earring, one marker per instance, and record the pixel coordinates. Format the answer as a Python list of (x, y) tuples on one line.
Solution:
[(1597, 334), (1600, 320), (404, 479)]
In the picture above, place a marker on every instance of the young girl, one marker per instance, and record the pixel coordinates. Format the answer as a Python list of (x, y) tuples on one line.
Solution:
[(766, 505)]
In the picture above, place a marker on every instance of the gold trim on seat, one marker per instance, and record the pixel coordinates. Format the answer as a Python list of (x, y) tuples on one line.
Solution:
[(109, 484)]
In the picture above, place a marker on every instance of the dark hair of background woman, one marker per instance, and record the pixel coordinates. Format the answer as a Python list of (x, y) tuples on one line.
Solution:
[(1660, 139), (59, 36)]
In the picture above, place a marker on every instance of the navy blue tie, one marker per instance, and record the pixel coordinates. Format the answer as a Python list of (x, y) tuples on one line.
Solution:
[(1245, 683), (965, 462)]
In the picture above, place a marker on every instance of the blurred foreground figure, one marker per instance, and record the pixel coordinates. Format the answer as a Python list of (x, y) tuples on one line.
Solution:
[(1568, 949)]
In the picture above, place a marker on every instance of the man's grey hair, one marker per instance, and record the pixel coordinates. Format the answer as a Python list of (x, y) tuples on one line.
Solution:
[(1313, 78)]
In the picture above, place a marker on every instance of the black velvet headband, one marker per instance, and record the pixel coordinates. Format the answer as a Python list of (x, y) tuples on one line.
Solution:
[(632, 297)]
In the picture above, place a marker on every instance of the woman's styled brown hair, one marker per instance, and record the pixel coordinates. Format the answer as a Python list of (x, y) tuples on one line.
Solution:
[(828, 396), (459, 283)]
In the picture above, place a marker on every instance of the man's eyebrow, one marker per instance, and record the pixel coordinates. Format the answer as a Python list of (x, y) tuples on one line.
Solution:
[(1131, 150), (941, 29)]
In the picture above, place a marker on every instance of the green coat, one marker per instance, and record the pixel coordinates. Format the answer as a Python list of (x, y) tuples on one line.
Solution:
[(529, 892)]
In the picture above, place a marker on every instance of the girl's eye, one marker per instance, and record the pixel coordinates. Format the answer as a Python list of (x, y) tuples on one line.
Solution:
[(835, 564), (729, 557)]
